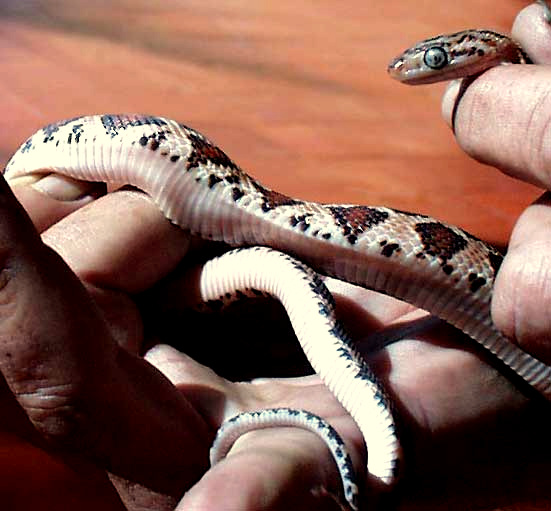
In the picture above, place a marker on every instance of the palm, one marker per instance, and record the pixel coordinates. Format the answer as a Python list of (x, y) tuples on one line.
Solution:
[(437, 386)]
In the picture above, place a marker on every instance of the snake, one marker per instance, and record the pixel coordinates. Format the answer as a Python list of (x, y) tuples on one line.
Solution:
[(281, 246)]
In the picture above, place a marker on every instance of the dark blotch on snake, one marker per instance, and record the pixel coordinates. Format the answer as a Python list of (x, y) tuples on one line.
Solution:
[(78, 129), (300, 221), (203, 153), (476, 282), (272, 199), (388, 250), (232, 179), (213, 180), (355, 220), (440, 241), (447, 269), (27, 146), (237, 193)]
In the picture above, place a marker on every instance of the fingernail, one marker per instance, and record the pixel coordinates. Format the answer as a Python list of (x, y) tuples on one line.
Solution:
[(66, 189)]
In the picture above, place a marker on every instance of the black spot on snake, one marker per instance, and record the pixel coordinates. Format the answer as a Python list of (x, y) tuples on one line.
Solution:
[(213, 180), (462, 38), (300, 221), (78, 130), (215, 305), (447, 269), (232, 179), (388, 250), (27, 146), (476, 282), (237, 193), (239, 294), (323, 310)]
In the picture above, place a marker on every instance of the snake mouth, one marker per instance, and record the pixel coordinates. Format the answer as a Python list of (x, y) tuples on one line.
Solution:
[(396, 69)]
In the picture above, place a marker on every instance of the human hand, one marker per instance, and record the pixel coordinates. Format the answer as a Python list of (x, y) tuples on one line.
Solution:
[(438, 387), (108, 390), (484, 129), (99, 402)]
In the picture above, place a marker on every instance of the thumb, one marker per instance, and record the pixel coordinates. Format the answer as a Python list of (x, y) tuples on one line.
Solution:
[(503, 117), (81, 390)]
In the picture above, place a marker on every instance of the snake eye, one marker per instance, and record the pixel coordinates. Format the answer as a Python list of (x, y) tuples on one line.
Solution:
[(435, 57)]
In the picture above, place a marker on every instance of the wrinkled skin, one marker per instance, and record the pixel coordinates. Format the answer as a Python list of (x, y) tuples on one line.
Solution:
[(82, 303)]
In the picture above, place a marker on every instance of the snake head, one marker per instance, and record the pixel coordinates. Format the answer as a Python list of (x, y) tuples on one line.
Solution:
[(457, 55)]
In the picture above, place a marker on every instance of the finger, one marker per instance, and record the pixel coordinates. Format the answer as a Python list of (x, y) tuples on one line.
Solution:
[(119, 245), (282, 452), (53, 197), (121, 241), (79, 389), (210, 394), (270, 470), (533, 32), (522, 292), (502, 118)]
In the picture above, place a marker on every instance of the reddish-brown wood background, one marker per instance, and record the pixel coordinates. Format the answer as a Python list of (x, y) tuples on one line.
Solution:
[(296, 92)]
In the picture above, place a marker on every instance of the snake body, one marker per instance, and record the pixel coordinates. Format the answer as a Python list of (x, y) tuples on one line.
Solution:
[(434, 266)]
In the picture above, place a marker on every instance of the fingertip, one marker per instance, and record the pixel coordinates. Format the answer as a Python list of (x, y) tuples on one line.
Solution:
[(16, 228), (522, 289), (44, 210), (533, 32), (66, 189)]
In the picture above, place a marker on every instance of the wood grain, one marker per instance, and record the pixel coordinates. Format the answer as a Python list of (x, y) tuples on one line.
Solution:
[(297, 93)]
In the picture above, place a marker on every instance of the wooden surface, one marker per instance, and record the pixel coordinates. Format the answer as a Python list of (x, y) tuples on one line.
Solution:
[(296, 92)]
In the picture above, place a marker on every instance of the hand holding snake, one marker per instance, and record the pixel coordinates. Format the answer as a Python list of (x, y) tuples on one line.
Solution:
[(124, 282)]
